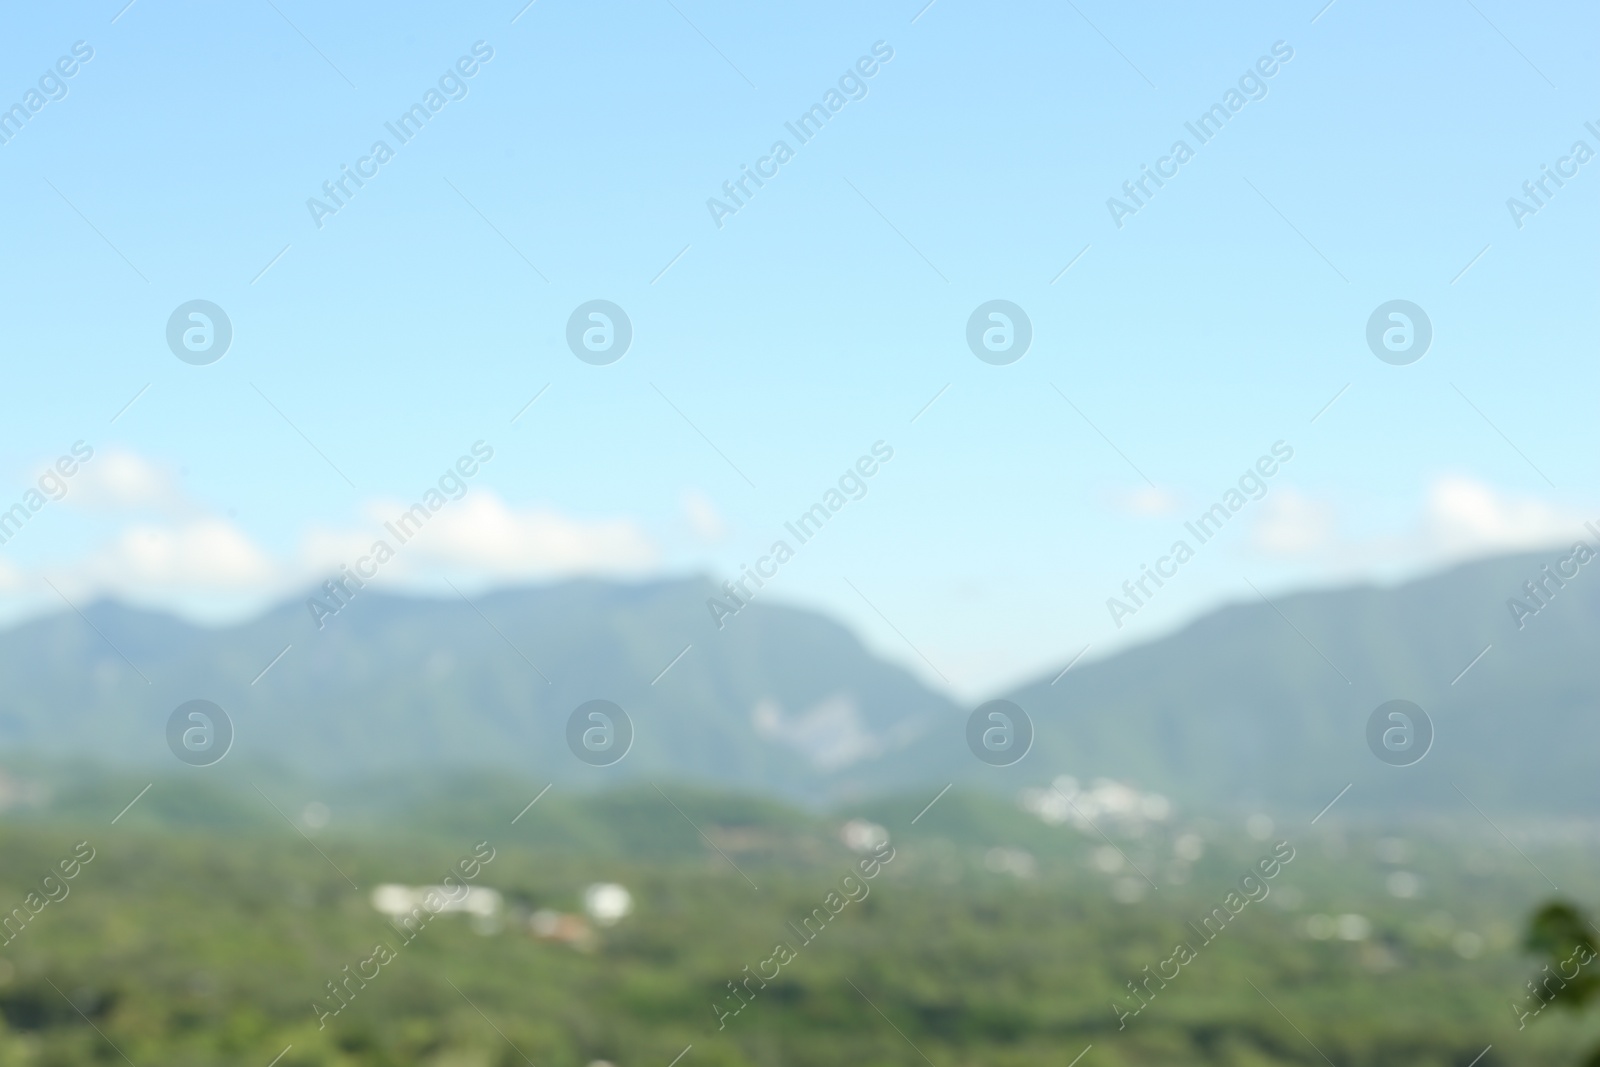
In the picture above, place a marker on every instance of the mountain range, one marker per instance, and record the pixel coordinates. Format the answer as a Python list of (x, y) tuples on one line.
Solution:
[(1262, 705)]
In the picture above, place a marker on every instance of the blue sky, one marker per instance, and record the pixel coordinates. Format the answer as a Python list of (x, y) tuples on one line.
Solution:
[(769, 353)]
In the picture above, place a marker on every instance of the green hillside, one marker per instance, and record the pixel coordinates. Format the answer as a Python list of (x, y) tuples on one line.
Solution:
[(180, 943), (1268, 704), (400, 682), (1253, 705)]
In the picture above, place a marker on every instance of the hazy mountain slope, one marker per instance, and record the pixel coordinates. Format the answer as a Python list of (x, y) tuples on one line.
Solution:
[(1269, 703), (1254, 704), (392, 682)]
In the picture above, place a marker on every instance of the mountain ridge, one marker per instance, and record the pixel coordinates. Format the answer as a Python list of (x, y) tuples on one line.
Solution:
[(1250, 704)]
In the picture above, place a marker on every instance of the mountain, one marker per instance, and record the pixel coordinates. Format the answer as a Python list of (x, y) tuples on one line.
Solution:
[(1268, 703), (780, 701), (1259, 705)]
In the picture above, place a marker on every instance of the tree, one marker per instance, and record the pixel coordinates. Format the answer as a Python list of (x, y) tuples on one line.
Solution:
[(1563, 936)]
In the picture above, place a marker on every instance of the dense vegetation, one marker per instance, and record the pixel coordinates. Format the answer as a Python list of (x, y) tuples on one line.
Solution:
[(206, 939)]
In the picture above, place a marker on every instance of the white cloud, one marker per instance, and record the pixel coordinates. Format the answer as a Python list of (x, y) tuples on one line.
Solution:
[(205, 555), (1148, 502), (323, 551), (481, 532), (1468, 517), (119, 480), (10, 577), (181, 558), (703, 516), (1293, 524), (1460, 518)]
